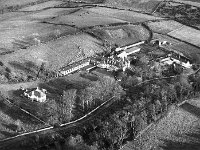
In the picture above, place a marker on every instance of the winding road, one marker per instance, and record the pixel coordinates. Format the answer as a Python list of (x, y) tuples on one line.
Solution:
[(17, 141)]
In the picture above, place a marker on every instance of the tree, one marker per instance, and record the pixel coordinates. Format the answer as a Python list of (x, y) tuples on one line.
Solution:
[(66, 105), (164, 102), (100, 91), (51, 112)]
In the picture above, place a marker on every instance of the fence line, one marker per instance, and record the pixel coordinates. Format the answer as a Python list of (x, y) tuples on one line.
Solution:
[(62, 125)]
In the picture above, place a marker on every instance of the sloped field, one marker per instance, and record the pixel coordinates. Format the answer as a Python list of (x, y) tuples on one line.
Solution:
[(188, 50), (20, 34), (54, 54), (41, 6), (164, 26), (141, 5), (13, 121), (7, 3), (187, 34), (85, 18), (190, 2), (100, 16), (122, 35), (124, 15)]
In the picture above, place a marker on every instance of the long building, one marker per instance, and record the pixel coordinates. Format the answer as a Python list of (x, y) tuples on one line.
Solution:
[(129, 46), (74, 67)]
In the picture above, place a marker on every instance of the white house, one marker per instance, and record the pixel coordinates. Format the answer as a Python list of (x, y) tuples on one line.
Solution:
[(38, 95), (161, 43), (170, 60)]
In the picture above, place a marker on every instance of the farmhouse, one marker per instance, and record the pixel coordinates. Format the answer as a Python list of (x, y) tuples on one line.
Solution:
[(177, 58), (37, 94), (108, 63)]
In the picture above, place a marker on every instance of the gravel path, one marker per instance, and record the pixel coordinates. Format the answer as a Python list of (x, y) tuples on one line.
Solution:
[(179, 130)]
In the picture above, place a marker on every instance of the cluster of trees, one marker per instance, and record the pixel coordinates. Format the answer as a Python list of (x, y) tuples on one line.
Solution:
[(73, 103), (149, 93), (184, 13), (24, 72)]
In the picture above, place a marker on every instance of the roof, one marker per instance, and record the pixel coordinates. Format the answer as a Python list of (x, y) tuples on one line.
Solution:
[(132, 49), (74, 64), (35, 91), (88, 67)]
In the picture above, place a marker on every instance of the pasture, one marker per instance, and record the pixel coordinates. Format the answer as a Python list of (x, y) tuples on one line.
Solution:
[(187, 34)]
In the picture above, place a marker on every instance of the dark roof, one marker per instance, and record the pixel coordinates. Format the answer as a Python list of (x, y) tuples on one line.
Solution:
[(74, 64)]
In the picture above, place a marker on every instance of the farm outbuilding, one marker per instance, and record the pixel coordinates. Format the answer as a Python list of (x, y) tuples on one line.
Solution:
[(74, 67), (128, 52)]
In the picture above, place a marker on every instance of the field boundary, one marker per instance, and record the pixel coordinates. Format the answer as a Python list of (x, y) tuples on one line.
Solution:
[(166, 114), (15, 139)]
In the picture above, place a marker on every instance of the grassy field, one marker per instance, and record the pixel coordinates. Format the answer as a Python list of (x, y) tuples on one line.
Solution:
[(162, 37), (41, 6), (20, 34), (179, 130), (48, 42), (122, 35), (188, 50), (54, 54), (164, 26), (85, 18), (100, 16), (141, 5), (124, 15), (7, 3), (187, 34), (12, 119), (190, 2)]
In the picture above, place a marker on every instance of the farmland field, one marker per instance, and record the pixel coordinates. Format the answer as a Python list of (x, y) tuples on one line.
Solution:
[(165, 26), (18, 34), (122, 35), (48, 13), (187, 34), (124, 15), (162, 37), (57, 53), (41, 6), (7, 3), (100, 16), (141, 5), (190, 2), (12, 119), (85, 18), (188, 50)]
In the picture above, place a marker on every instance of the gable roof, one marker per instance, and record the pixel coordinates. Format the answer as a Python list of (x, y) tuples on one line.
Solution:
[(132, 49)]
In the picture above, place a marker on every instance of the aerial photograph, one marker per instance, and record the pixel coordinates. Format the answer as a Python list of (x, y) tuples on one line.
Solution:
[(100, 75)]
